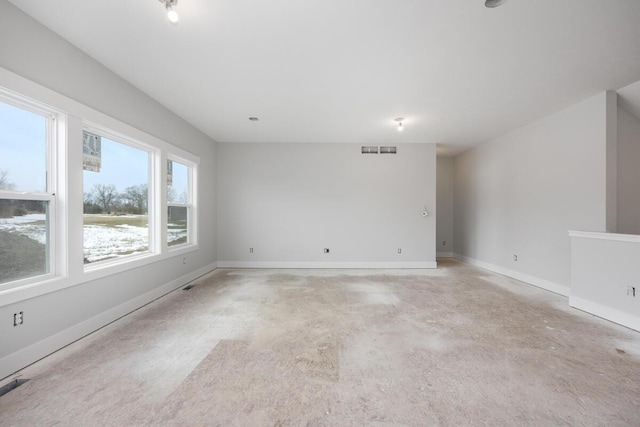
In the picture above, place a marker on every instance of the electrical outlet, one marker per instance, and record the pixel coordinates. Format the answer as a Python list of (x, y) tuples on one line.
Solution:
[(326, 250), (399, 250), (444, 243), (631, 291), (515, 257), (18, 318), (250, 250), (184, 260)]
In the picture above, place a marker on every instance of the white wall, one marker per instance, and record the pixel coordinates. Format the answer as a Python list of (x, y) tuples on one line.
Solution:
[(57, 318), (444, 227), (628, 173), (290, 201), (519, 194)]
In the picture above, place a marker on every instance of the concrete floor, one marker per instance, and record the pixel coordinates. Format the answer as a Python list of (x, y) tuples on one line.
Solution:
[(456, 345)]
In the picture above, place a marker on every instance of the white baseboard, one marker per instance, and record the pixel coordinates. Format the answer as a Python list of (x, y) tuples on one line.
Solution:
[(331, 265), (606, 313), (445, 255), (532, 280), (28, 355)]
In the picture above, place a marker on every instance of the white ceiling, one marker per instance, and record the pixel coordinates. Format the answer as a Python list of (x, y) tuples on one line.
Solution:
[(342, 70)]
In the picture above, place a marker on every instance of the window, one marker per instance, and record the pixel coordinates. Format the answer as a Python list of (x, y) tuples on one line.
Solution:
[(52, 161), (26, 191), (179, 203), (116, 198)]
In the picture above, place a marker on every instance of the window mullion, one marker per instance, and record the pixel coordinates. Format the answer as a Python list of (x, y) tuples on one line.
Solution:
[(15, 195)]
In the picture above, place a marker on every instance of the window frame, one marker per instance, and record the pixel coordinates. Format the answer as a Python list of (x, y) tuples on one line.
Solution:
[(51, 145), (152, 153), (190, 204)]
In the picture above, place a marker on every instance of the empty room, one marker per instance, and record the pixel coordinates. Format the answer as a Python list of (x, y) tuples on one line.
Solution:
[(320, 213)]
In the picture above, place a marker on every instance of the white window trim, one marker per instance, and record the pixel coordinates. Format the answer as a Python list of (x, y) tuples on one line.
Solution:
[(25, 195)]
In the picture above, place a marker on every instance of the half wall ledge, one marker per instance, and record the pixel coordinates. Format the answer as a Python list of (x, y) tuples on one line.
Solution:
[(605, 276)]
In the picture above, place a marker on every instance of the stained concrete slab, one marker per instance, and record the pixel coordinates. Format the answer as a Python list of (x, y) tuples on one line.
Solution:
[(454, 346)]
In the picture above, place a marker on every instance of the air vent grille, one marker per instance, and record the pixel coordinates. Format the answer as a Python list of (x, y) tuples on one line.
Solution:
[(388, 150), (12, 385), (369, 150), (374, 150)]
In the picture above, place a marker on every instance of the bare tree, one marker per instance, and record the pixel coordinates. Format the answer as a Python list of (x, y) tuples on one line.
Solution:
[(5, 184), (104, 195), (171, 194), (184, 197), (137, 196), (89, 204), (175, 197)]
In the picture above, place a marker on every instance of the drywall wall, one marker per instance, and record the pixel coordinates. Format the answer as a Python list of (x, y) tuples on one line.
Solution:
[(628, 173), (36, 53), (444, 197), (46, 65), (604, 276), (519, 194), (290, 201)]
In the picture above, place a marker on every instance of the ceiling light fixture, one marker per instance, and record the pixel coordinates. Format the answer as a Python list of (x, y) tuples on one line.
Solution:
[(494, 3), (400, 126), (171, 13)]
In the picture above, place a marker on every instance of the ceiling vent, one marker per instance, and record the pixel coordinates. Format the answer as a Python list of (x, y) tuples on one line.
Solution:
[(388, 150), (369, 150)]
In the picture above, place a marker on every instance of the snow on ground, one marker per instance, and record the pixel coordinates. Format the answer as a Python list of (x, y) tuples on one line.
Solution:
[(25, 225), (100, 242), (107, 242), (174, 234)]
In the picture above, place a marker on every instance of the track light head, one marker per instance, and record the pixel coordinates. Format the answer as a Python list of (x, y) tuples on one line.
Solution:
[(494, 3), (171, 13), (399, 120)]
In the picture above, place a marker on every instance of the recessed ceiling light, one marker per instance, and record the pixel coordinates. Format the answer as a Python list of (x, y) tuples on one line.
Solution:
[(253, 119), (494, 3)]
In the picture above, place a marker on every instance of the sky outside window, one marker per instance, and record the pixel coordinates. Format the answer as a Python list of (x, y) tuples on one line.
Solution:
[(178, 190), (122, 166), (23, 137)]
